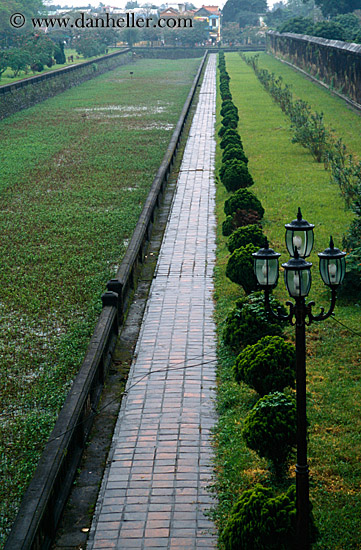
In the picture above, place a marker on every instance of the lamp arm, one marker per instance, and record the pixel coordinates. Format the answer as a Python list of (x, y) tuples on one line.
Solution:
[(279, 315), (322, 315)]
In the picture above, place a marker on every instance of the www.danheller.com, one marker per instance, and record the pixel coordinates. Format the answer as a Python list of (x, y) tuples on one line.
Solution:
[(84, 21)]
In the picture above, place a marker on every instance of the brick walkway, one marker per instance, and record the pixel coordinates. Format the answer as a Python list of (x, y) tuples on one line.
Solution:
[(154, 493)]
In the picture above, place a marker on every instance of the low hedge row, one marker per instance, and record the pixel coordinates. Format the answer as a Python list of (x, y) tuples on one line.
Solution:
[(309, 130), (265, 362)]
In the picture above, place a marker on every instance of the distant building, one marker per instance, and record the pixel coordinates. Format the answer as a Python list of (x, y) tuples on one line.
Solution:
[(211, 15)]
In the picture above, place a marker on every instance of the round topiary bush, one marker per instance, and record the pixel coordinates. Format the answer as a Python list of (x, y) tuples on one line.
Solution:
[(228, 226), (245, 235), (240, 218), (270, 429), (229, 164), (230, 121), (230, 136), (240, 268), (231, 113), (261, 521), (225, 91), (243, 199), (246, 217), (249, 321), (268, 365), (228, 107), (224, 76), (234, 152), (236, 176)]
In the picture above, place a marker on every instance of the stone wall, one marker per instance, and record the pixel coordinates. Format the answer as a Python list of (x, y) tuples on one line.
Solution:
[(336, 63), (26, 93)]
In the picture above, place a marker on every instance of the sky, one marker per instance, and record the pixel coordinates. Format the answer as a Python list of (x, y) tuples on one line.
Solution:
[(121, 3)]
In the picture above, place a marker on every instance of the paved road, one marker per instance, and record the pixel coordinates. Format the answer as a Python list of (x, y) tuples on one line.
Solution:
[(154, 493)]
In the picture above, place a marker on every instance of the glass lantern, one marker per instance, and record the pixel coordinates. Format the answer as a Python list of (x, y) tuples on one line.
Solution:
[(297, 276), (299, 236), (332, 265), (266, 266)]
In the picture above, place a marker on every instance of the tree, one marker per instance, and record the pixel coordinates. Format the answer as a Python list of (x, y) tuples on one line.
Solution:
[(89, 44), (331, 8), (18, 60), (40, 48), (29, 8), (4, 62), (329, 30), (59, 54), (350, 24), (231, 33), (281, 12), (129, 35), (233, 8), (298, 25)]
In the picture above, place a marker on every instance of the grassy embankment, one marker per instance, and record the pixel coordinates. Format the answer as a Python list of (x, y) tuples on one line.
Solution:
[(287, 177), (8, 78), (75, 171)]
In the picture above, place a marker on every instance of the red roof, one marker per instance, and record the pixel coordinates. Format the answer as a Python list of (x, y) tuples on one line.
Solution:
[(212, 9)]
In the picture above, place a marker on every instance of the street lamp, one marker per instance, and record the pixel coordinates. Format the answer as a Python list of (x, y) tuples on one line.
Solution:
[(297, 275)]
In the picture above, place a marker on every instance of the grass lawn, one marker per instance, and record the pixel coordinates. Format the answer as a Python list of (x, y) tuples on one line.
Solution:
[(8, 78), (286, 177), (76, 170), (347, 126)]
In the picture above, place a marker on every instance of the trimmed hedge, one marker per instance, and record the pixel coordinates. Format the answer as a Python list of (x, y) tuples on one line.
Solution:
[(233, 152), (249, 321), (261, 521), (243, 199), (230, 136), (236, 176), (245, 235), (240, 268), (240, 218), (268, 365), (270, 429)]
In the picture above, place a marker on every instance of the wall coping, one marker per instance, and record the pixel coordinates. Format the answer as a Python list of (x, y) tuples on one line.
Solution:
[(349, 47)]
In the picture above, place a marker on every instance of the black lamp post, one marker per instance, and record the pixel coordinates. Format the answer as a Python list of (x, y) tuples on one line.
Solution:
[(297, 274)]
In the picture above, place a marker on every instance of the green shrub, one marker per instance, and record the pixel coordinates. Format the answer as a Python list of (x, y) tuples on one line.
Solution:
[(234, 152), (245, 235), (230, 136), (224, 76), (240, 268), (228, 226), (236, 176), (313, 135), (261, 521), (228, 164), (243, 199), (249, 321), (230, 121), (231, 113), (267, 366), (225, 91), (228, 107), (240, 218), (270, 429)]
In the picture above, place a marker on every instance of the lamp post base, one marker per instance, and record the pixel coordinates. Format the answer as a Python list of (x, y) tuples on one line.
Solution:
[(303, 507)]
